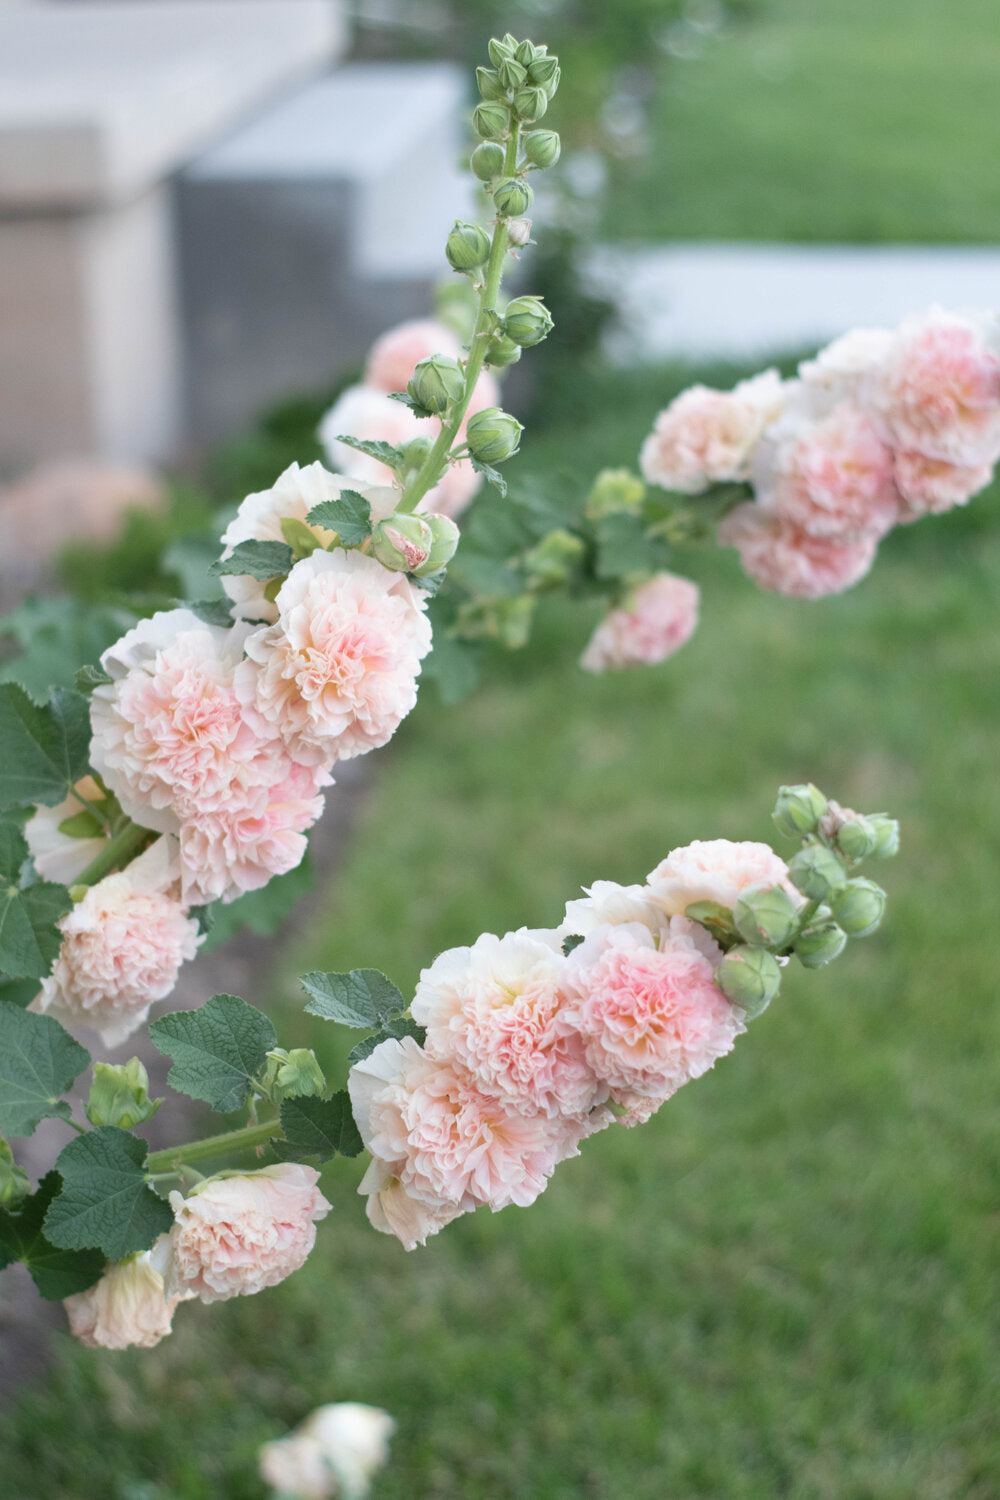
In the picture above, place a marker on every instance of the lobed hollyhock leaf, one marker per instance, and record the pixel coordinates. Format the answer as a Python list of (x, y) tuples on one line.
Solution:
[(624, 547), (256, 559), (321, 1127), (29, 936), (57, 1273), (350, 516), (39, 1062), (364, 998), (492, 476), (405, 399), (89, 677), (394, 1029), (46, 746), (105, 1202), (569, 943), (492, 577), (58, 637), (210, 611), (375, 448), (217, 1050)]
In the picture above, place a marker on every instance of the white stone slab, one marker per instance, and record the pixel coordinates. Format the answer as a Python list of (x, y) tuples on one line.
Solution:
[(97, 101), (747, 301)]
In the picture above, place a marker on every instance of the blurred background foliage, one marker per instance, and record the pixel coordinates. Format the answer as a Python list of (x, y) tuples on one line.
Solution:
[(784, 1285)]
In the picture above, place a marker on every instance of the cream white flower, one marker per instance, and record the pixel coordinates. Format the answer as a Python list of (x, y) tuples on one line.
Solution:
[(127, 1307)]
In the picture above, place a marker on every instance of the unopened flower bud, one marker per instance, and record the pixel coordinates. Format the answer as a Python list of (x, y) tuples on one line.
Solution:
[(820, 944), (416, 452), (512, 197), (749, 977), (553, 558), (518, 232), (513, 621), (487, 160), (468, 246), (542, 147), (530, 104), (15, 1183), (436, 383), (857, 837), (402, 542), (886, 836), (491, 121), (798, 810), (297, 1073), (859, 907), (502, 351), (445, 536), (816, 872), (615, 490), (502, 48), (528, 51), (119, 1095), (489, 85), (493, 435), (765, 914), (544, 73), (527, 321), (512, 73)]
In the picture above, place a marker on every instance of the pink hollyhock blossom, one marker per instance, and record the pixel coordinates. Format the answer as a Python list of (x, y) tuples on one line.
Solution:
[(234, 1236), (295, 1467), (122, 947), (846, 370), (929, 486), (291, 497), (493, 1010), (59, 856), (714, 870), (706, 436), (335, 1451), (780, 556), (657, 619), (337, 673), (127, 1307), (393, 1209), (225, 854), (170, 736), (394, 356), (649, 1011), (832, 478), (609, 904), (940, 389), (448, 1145)]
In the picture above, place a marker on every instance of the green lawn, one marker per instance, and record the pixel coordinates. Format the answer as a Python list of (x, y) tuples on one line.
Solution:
[(783, 1285), (846, 120)]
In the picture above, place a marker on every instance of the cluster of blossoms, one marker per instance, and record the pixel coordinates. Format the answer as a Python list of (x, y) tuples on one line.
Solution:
[(332, 1455), (883, 427), (537, 1039)]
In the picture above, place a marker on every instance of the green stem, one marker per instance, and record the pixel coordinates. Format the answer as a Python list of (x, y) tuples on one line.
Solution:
[(117, 851), (213, 1145), (426, 476)]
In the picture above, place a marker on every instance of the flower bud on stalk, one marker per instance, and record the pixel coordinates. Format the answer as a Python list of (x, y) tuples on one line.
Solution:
[(886, 836), (501, 49), (502, 351), (489, 85), (415, 454), (444, 544), (512, 74), (615, 490), (820, 944), (544, 73), (530, 104), (550, 562), (528, 51), (750, 978), (119, 1095), (541, 148), (512, 197), (859, 907), (297, 1072), (857, 838), (468, 246), (816, 872), (527, 321), (436, 383), (493, 435), (798, 810), (491, 121), (402, 542), (518, 232), (487, 161), (15, 1183), (765, 915)]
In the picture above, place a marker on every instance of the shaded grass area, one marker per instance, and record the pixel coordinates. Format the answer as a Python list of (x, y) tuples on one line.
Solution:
[(842, 121), (782, 1286)]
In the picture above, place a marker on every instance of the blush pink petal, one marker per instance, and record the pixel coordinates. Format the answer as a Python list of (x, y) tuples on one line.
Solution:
[(127, 1308), (658, 618), (782, 557), (715, 870), (707, 436), (831, 478), (940, 389), (928, 486), (395, 354)]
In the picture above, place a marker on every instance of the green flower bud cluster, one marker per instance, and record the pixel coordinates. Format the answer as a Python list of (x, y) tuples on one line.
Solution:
[(514, 92), (417, 544), (493, 435), (614, 491), (296, 1074), (119, 1095)]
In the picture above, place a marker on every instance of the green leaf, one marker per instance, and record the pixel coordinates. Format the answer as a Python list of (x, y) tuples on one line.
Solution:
[(45, 748), (105, 1202), (19, 992), (217, 1050), (375, 448), (188, 559), (260, 560), (493, 476), (396, 1028), (491, 577), (455, 666), (569, 943), (405, 399), (362, 998), (300, 537), (624, 547), (321, 1127), (39, 1062), (87, 678), (350, 516), (210, 611), (56, 1273), (29, 937), (82, 825), (57, 637)]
